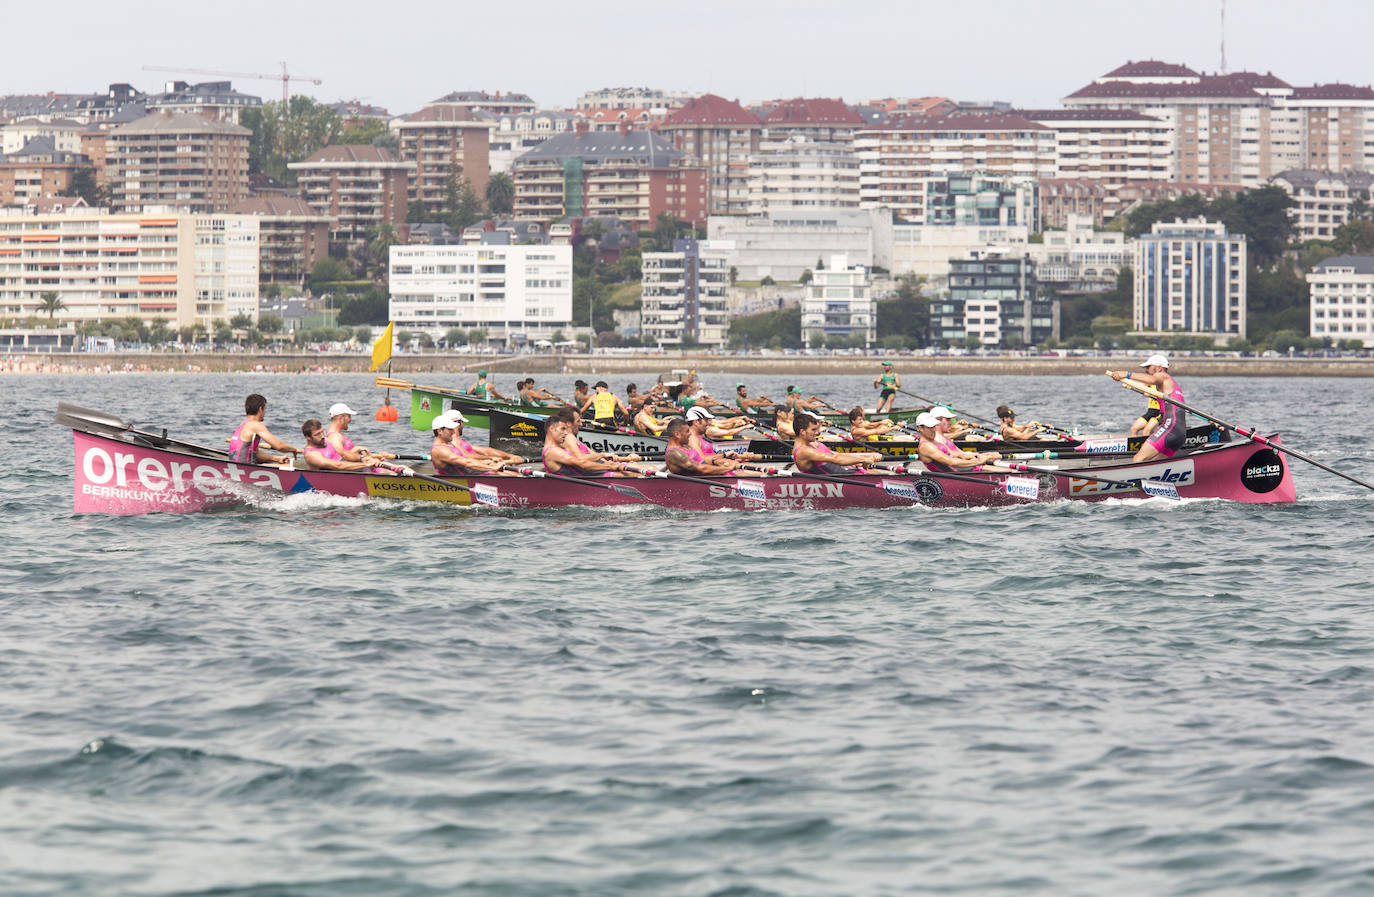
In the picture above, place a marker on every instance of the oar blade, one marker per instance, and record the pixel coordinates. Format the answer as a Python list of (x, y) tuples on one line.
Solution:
[(628, 491), (1158, 489), (750, 489), (1022, 487)]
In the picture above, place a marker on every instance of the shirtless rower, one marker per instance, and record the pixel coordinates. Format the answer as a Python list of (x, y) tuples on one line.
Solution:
[(245, 446), (938, 449), (340, 416), (745, 404), (783, 423), (812, 456), (321, 455), (559, 459), (1169, 436), (646, 423), (573, 443), (707, 426), (862, 428), (536, 397), (1008, 429)]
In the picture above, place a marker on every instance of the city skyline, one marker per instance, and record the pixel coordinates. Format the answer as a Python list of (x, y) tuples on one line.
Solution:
[(751, 53)]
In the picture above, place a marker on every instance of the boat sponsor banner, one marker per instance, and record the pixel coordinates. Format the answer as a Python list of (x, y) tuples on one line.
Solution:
[(417, 490), (1022, 487), (1175, 473), (114, 477), (1262, 471), (1104, 445), (750, 489), (901, 489)]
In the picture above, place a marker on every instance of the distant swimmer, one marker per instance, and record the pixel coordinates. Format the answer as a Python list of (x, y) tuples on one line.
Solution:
[(245, 446)]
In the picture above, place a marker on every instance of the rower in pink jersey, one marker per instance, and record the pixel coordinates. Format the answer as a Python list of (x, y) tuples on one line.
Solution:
[(938, 451), (1172, 432), (340, 416), (245, 446), (812, 456), (320, 455), (564, 455)]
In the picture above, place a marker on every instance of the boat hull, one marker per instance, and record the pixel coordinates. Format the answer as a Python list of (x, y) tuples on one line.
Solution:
[(119, 476)]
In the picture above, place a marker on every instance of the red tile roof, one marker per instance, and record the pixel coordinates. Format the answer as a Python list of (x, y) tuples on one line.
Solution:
[(1333, 92), (812, 111), (1151, 68), (1250, 79), (710, 109), (351, 152), (276, 207)]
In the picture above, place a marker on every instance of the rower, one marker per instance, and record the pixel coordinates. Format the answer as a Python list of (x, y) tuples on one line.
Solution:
[(784, 422), (484, 390), (580, 392), (646, 423), (340, 416), (705, 425), (683, 458), (472, 453), (559, 459), (889, 382), (796, 402), (860, 428), (320, 454), (572, 443), (1148, 420), (1169, 436), (245, 444), (949, 427), (604, 403), (536, 397), (1008, 429), (939, 450), (448, 460), (812, 456), (746, 404)]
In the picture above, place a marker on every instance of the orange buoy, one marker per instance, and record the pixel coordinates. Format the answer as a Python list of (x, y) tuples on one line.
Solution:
[(387, 413)]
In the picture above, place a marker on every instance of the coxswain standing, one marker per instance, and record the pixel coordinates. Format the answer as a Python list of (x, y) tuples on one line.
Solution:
[(604, 403), (245, 446), (340, 416), (889, 383), (812, 456), (1172, 432)]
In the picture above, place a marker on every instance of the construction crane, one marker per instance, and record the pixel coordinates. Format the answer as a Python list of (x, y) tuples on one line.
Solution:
[(285, 77)]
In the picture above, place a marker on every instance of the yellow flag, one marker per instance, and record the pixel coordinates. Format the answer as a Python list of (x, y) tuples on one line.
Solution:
[(381, 349)]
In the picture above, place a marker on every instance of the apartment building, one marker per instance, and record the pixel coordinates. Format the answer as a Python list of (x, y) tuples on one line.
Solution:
[(494, 103), (632, 98), (723, 135), (1243, 127), (684, 294), (516, 294), (1322, 199), (634, 176), (188, 268), (996, 299), (1342, 298), (803, 174), (896, 156), (64, 134), (839, 306), (1080, 258), (783, 244), (980, 200), (821, 119), (182, 161), (215, 100), (517, 134), (1190, 276), (1113, 147), (292, 237), (37, 170), (358, 186), (445, 141)]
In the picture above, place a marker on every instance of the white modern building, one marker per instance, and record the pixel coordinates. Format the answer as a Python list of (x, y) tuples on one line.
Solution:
[(1342, 294), (684, 293), (1322, 199), (783, 244), (926, 250), (516, 294), (803, 174), (189, 269), (1190, 277), (1080, 259), (839, 304)]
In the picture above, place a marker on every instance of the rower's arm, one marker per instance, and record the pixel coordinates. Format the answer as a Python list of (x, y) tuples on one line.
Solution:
[(273, 442)]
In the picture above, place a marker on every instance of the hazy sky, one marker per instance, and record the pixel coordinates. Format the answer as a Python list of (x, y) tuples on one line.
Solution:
[(402, 54)]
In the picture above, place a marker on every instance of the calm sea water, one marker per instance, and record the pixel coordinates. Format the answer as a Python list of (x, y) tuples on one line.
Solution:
[(358, 697)]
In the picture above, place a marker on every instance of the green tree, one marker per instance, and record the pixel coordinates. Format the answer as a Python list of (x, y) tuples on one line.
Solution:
[(364, 131), (455, 336), (1355, 236), (371, 307), (51, 303), (326, 271), (158, 330), (84, 185), (500, 194), (287, 131), (223, 333), (463, 207), (363, 335), (381, 237), (782, 327), (477, 337), (906, 315), (806, 276), (270, 324)]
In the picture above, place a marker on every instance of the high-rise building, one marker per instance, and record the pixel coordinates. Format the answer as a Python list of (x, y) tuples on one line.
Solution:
[(1190, 276), (684, 294), (516, 293), (183, 161), (215, 100), (37, 170), (995, 298), (358, 186), (816, 118), (292, 237), (839, 305), (1322, 199), (723, 135), (445, 141), (188, 268), (803, 174)]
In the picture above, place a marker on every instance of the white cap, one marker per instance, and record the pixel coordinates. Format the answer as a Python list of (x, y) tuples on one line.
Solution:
[(1155, 359), (449, 420), (941, 411), (696, 412), (926, 419), (340, 408)]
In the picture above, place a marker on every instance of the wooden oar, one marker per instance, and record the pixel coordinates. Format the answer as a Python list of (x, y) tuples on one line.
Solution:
[(1248, 434), (393, 383), (1064, 434), (629, 491)]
